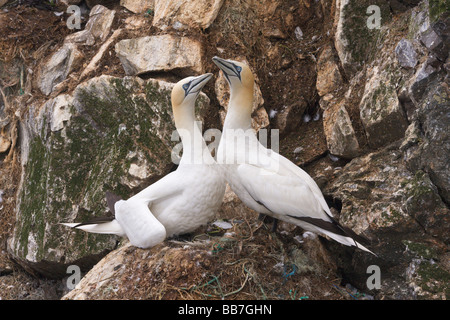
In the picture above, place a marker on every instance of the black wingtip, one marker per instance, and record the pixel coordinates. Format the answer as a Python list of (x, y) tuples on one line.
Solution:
[(97, 220), (357, 237), (111, 200), (335, 227)]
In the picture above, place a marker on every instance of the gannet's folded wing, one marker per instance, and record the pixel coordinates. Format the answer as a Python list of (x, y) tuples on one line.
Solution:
[(170, 185), (285, 195), (287, 166), (134, 215), (291, 197), (139, 224)]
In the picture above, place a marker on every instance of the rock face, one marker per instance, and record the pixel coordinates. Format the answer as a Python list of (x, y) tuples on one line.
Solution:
[(149, 54), (404, 216), (359, 91), (427, 151), (381, 113), (328, 75), (179, 262), (181, 14), (97, 28), (56, 70), (77, 147), (406, 54), (69, 56), (355, 38), (341, 138), (138, 6)]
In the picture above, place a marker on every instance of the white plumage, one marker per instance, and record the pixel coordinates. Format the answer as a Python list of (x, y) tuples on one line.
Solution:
[(181, 201), (264, 180)]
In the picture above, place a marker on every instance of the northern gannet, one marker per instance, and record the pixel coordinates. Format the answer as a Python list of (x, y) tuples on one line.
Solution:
[(181, 201), (264, 180)]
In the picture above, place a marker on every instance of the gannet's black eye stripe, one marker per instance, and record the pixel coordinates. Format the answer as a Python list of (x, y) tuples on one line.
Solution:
[(186, 87), (237, 70), (229, 68)]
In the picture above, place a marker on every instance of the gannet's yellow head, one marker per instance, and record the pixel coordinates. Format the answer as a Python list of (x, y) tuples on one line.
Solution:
[(238, 74), (185, 91), (184, 94)]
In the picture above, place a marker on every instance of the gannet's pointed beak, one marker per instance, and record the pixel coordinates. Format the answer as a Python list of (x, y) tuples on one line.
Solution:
[(196, 84), (228, 68)]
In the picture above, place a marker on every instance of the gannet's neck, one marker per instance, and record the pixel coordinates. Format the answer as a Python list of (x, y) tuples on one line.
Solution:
[(195, 150), (239, 114)]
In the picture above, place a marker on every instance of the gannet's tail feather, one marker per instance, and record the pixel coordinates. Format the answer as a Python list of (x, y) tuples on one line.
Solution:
[(99, 225), (103, 225), (337, 232)]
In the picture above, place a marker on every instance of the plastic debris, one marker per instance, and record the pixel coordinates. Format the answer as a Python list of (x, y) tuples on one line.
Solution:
[(223, 224)]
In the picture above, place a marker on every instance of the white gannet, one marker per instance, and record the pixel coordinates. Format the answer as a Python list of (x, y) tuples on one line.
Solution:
[(264, 180), (181, 201)]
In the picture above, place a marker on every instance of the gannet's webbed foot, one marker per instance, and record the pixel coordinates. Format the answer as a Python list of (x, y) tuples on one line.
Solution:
[(182, 237), (266, 219)]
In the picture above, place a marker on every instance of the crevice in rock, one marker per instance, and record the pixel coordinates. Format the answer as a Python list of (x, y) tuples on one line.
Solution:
[(171, 76), (345, 78), (333, 202)]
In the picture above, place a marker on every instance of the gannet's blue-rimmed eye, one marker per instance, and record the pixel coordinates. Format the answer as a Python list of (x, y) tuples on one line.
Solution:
[(238, 69), (185, 86)]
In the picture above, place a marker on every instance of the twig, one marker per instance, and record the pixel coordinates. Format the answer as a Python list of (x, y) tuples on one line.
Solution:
[(13, 143)]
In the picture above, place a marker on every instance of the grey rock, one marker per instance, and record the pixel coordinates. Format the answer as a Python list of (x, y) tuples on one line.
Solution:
[(100, 21), (436, 38), (160, 53), (420, 82), (140, 6), (430, 39), (406, 54), (380, 110), (434, 117), (58, 67), (97, 28), (185, 14), (354, 40), (328, 76), (404, 216), (338, 128)]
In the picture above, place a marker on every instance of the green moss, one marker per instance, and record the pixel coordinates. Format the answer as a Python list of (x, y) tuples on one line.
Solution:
[(391, 215), (437, 8), (35, 192), (421, 249), (420, 185), (434, 279), (362, 41)]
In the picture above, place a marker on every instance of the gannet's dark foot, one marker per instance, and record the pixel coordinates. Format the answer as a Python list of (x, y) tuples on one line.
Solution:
[(182, 237), (274, 225), (263, 217)]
